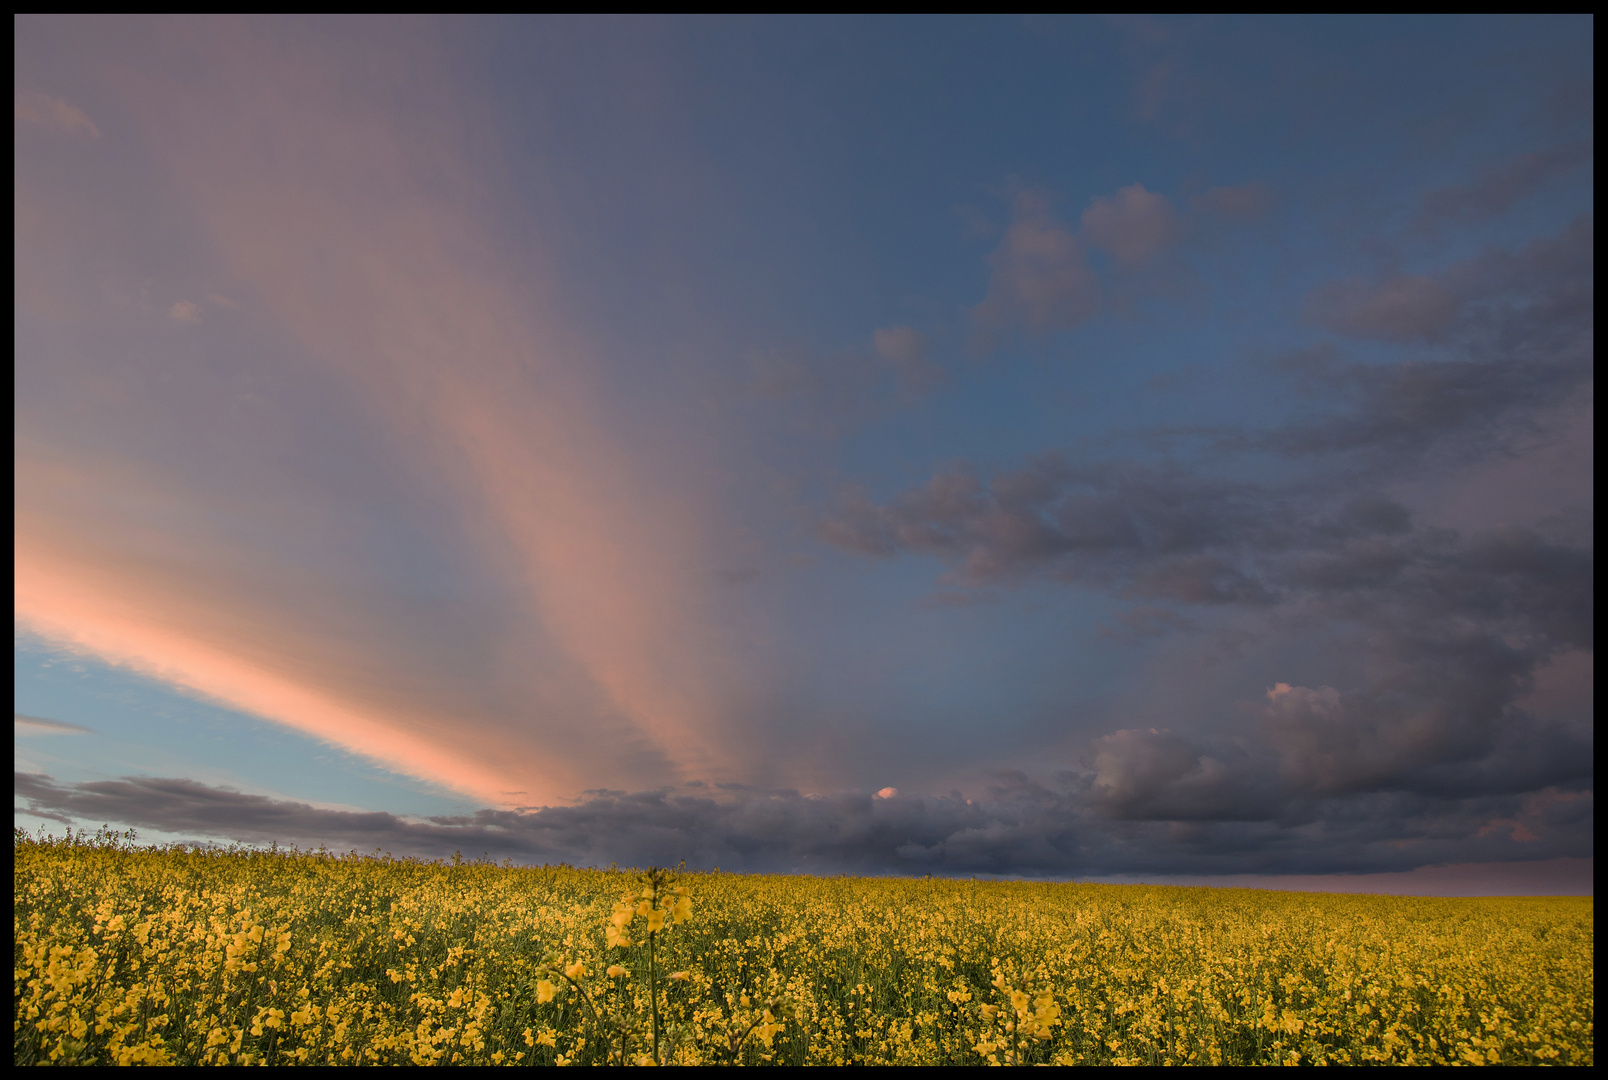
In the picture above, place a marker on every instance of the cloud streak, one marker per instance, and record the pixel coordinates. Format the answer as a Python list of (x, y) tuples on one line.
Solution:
[(39, 725), (1499, 188), (1018, 828), (38, 109)]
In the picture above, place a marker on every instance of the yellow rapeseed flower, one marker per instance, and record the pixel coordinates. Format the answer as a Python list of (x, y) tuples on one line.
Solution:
[(181, 957)]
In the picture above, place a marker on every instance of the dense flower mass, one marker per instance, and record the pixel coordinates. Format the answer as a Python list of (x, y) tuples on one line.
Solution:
[(128, 955)]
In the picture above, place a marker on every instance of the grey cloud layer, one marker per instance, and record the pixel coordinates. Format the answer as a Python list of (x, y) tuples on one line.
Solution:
[(1450, 627), (1495, 299), (1019, 828), (1496, 190)]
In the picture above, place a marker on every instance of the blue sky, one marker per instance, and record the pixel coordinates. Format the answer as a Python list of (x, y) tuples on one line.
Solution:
[(1072, 447)]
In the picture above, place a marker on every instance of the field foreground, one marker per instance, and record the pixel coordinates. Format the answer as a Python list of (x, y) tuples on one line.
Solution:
[(169, 956)]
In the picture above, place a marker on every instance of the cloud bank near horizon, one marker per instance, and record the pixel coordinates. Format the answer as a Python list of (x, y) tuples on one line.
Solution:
[(1019, 828)]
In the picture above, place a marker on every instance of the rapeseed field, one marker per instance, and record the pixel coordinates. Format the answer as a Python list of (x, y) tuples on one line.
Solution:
[(172, 956)]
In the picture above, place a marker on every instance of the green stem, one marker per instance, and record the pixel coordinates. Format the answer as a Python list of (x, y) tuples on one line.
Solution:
[(653, 991)]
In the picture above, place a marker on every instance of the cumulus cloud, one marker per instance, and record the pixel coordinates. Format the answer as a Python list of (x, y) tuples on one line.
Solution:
[(41, 110), (1131, 226), (184, 311), (1159, 775), (1040, 278), (1500, 187), (1079, 825)]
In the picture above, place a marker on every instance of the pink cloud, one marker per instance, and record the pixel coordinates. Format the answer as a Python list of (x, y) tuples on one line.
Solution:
[(1131, 226), (41, 110), (185, 311), (1040, 278)]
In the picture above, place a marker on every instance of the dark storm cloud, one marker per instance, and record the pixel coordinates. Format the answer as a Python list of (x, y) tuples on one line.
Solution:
[(1519, 327), (1100, 522), (1523, 344), (1399, 309), (1497, 189), (1019, 828), (1451, 626)]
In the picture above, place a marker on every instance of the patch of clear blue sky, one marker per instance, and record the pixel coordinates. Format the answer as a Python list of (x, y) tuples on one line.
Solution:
[(141, 726), (730, 185)]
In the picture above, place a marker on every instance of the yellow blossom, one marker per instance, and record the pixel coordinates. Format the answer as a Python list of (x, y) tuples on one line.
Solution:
[(181, 958)]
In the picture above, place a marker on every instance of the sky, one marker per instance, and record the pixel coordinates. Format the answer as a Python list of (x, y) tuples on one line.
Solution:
[(1103, 449)]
